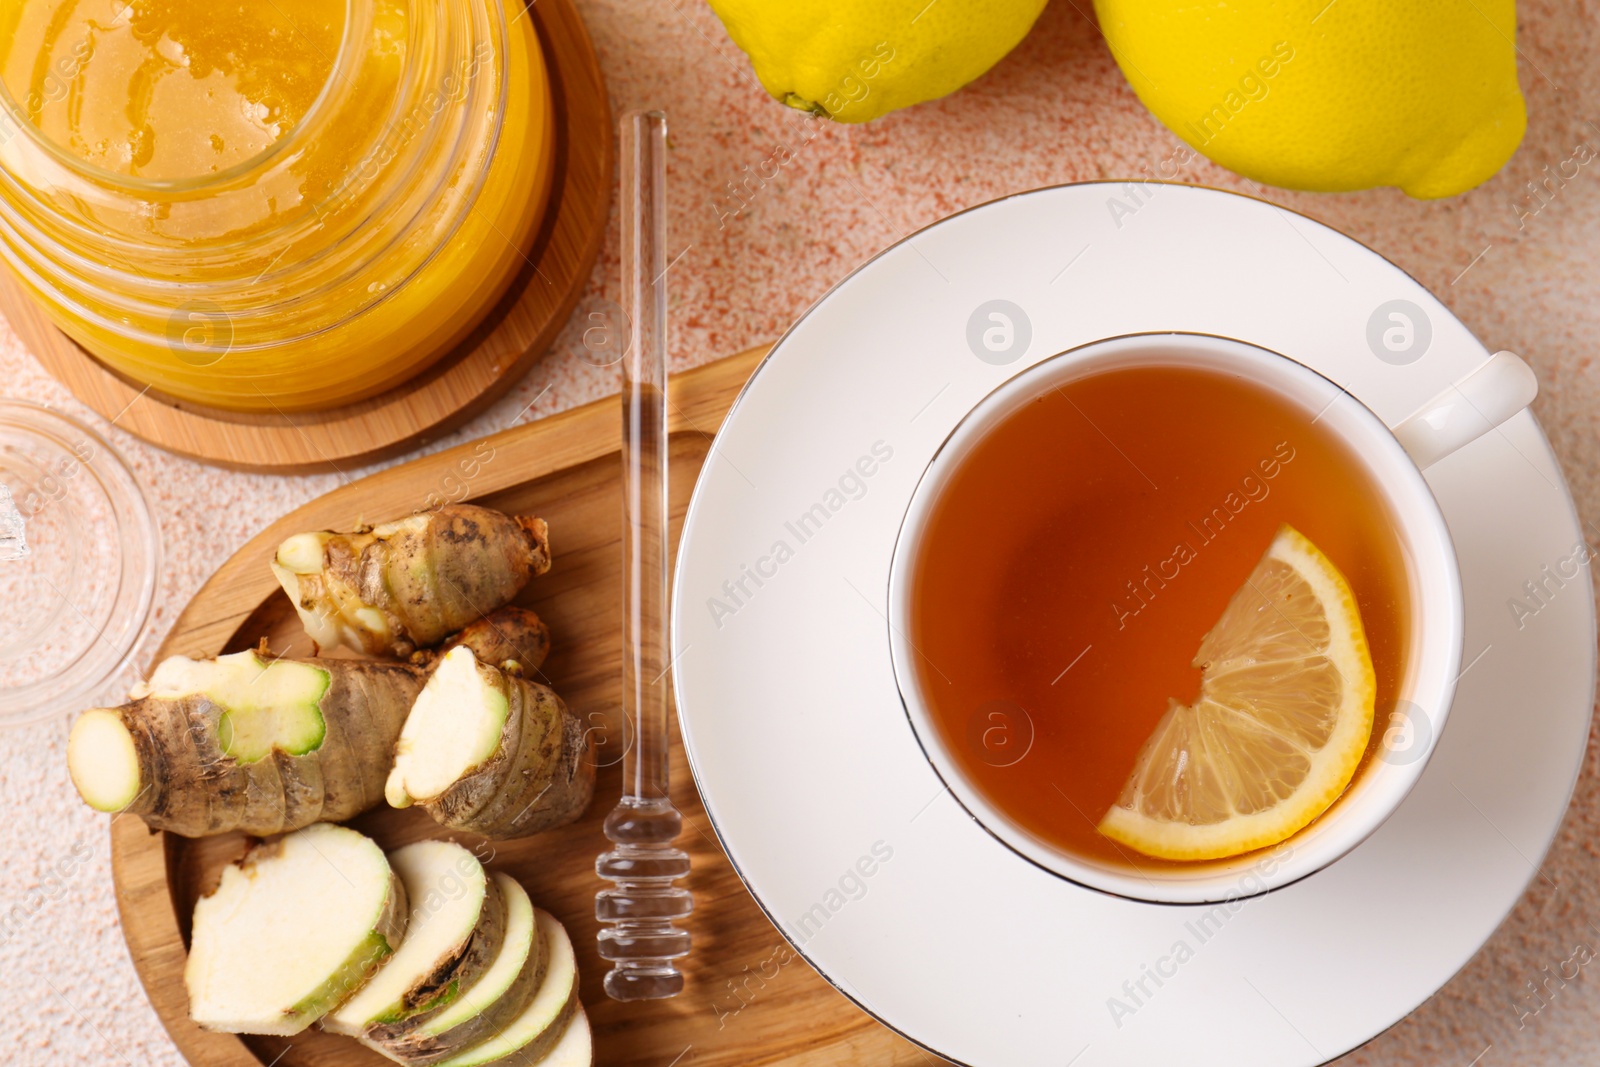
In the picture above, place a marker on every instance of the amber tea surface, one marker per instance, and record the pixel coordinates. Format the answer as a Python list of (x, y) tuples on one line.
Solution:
[(1084, 545)]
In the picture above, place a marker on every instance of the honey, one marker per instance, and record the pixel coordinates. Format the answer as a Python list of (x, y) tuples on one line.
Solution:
[(270, 204), (169, 89), (1084, 546)]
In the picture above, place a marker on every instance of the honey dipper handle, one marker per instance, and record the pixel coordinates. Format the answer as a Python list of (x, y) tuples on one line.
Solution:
[(638, 910)]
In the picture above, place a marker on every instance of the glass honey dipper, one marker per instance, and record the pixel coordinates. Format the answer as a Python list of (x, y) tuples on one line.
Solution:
[(639, 908)]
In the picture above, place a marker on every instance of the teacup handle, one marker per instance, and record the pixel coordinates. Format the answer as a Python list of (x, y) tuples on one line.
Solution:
[(1467, 410)]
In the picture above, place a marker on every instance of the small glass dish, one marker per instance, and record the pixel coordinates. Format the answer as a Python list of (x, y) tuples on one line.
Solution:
[(80, 553)]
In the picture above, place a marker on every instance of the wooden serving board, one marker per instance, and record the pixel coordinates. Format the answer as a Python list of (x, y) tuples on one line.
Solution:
[(460, 385), (749, 999)]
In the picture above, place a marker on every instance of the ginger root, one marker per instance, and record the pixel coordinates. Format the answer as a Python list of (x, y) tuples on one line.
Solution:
[(486, 751), (407, 585), (291, 930), (262, 745), (513, 639), (243, 742)]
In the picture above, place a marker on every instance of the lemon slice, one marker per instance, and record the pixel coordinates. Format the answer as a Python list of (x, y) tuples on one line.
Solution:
[(1284, 714)]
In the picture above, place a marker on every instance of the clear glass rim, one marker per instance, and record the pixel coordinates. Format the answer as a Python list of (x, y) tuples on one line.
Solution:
[(16, 115), (499, 28), (139, 546)]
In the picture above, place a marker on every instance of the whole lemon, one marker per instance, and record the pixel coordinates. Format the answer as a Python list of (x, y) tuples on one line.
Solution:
[(854, 61), (1330, 96)]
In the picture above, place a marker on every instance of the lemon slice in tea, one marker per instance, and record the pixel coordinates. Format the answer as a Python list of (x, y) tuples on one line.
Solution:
[(1283, 716)]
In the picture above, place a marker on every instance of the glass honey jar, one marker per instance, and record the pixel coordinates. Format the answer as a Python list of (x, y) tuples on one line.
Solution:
[(270, 205)]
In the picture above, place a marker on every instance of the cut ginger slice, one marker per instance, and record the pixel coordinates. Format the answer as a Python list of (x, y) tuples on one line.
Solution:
[(1283, 717)]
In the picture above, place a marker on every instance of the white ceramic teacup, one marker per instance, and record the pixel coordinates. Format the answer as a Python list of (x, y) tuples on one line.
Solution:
[(1394, 457)]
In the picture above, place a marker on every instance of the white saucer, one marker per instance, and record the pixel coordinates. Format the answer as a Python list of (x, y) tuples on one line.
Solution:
[(814, 779)]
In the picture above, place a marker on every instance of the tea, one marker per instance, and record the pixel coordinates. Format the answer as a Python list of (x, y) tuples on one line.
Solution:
[(1084, 545)]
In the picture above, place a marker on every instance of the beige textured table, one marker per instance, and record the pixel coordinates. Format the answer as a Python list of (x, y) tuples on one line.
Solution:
[(1521, 269)]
